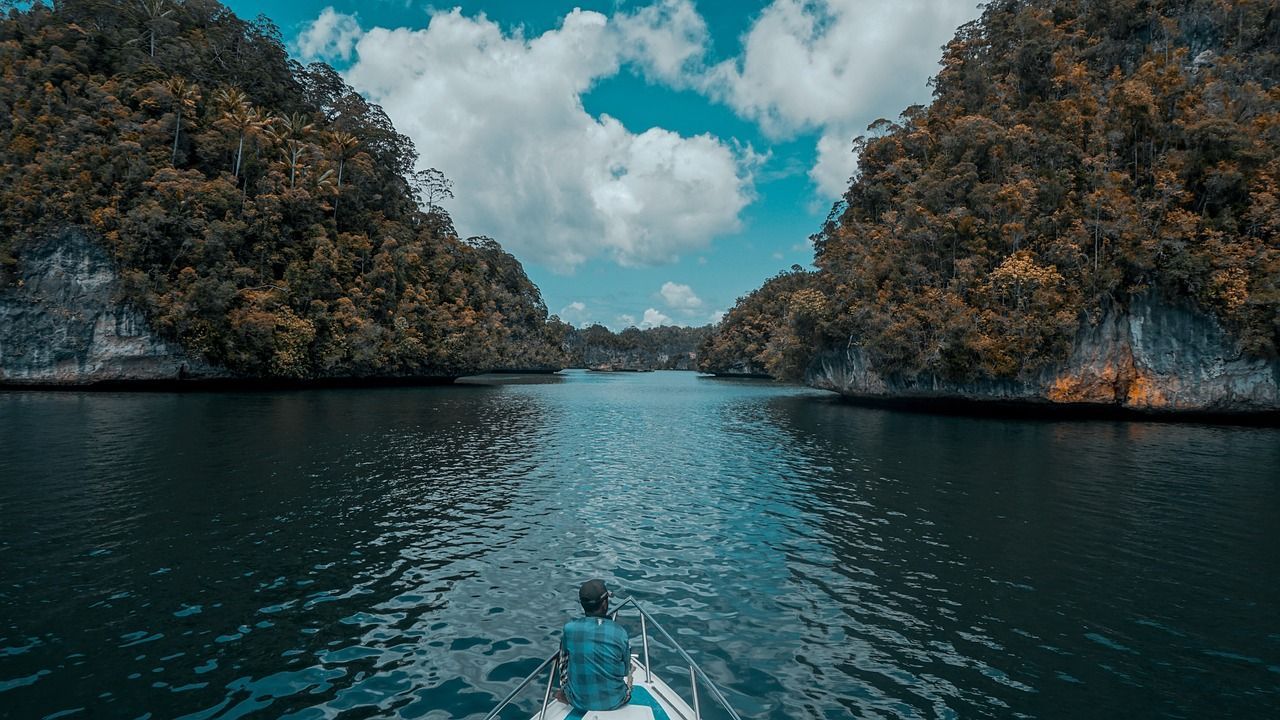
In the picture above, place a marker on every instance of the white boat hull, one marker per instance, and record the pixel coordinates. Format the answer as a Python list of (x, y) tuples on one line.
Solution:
[(675, 707)]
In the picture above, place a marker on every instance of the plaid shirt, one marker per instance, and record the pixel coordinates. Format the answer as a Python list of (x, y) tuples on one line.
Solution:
[(595, 660)]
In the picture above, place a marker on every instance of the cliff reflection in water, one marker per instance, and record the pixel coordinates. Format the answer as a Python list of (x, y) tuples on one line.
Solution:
[(413, 552), (191, 539), (1051, 568)]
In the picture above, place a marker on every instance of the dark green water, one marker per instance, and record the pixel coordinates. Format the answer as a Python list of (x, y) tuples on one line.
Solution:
[(411, 553)]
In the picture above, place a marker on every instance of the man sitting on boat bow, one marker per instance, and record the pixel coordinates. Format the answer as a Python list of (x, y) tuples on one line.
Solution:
[(595, 655)]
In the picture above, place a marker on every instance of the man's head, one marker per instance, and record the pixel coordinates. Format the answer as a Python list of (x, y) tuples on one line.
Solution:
[(594, 597)]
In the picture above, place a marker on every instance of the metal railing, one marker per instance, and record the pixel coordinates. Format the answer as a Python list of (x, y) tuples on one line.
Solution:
[(695, 673)]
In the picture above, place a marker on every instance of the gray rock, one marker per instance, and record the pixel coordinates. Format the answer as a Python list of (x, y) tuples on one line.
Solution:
[(1156, 356), (62, 323), (743, 368)]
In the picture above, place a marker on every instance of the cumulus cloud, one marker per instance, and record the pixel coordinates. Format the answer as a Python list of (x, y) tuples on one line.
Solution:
[(331, 36), (680, 297), (652, 318), (575, 313), (667, 39), (836, 162), (717, 316), (501, 113), (835, 66), (502, 116), (627, 320)]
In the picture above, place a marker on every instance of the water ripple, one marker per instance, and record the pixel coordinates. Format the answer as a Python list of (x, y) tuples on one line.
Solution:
[(413, 553)]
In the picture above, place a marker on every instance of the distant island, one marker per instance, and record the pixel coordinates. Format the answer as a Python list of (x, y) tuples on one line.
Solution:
[(1086, 214), (657, 348)]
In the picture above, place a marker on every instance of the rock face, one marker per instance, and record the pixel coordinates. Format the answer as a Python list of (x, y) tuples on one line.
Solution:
[(1154, 356), (62, 323), (743, 368)]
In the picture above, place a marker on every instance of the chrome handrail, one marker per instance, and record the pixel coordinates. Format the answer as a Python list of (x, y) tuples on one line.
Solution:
[(523, 684), (695, 672), (693, 666)]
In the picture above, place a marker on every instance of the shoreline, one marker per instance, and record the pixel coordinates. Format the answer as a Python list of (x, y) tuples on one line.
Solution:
[(1045, 411), (1026, 410), (228, 384)]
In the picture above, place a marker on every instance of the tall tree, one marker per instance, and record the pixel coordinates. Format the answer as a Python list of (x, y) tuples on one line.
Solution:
[(153, 13), (343, 146), (184, 96), (293, 132), (432, 186), (239, 116)]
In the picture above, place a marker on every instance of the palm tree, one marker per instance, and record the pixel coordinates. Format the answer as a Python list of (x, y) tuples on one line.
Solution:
[(294, 126), (239, 116), (250, 122), (322, 183), (292, 131), (344, 146), (230, 97), (293, 153), (185, 96)]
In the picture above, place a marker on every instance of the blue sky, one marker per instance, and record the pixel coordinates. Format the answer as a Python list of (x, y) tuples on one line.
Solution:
[(648, 161)]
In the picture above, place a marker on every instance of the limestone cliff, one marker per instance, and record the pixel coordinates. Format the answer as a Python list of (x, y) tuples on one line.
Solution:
[(744, 368), (1154, 356), (61, 323)]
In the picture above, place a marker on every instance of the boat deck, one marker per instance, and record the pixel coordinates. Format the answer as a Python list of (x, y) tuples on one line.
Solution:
[(659, 694)]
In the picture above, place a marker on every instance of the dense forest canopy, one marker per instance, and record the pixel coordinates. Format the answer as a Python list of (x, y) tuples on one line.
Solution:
[(262, 213), (769, 328), (666, 347), (1076, 154)]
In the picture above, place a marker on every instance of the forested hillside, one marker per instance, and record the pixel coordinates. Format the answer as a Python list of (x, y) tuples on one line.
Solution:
[(261, 213), (660, 348), (767, 332), (1077, 154)]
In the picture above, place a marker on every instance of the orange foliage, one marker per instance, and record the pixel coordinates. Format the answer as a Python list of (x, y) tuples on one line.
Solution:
[(260, 213)]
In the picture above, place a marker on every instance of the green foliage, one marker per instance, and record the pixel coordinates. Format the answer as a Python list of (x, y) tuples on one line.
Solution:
[(259, 211), (667, 347), (1076, 153), (774, 328)]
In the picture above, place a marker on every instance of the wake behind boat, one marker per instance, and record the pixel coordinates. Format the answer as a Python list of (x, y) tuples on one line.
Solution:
[(651, 697)]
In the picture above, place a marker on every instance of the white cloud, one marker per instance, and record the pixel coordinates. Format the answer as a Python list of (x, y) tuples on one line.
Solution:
[(653, 318), (835, 66), (836, 161), (667, 39), (680, 297), (575, 313), (718, 315), (502, 116), (331, 36), (627, 321)]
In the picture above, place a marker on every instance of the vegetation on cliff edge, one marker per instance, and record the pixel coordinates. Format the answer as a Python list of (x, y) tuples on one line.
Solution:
[(666, 347), (1076, 153), (769, 329), (262, 213)]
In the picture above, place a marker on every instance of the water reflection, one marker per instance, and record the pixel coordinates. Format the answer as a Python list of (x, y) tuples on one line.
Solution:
[(184, 535), (989, 567), (411, 553)]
